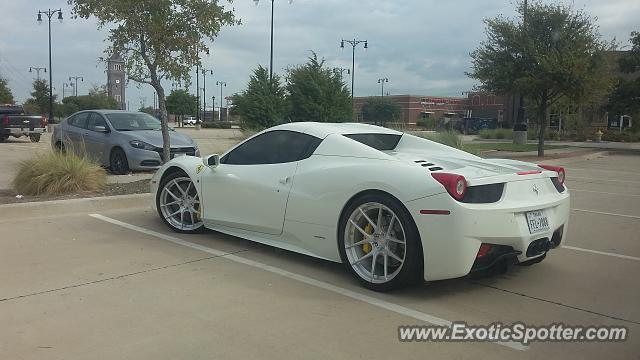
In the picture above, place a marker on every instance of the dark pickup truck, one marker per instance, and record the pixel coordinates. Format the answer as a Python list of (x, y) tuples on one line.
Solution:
[(14, 122)]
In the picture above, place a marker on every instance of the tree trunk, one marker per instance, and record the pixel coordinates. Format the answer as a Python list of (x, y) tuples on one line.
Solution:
[(544, 110), (164, 121)]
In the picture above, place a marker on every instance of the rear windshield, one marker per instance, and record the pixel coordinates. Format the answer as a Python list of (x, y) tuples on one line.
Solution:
[(377, 141)]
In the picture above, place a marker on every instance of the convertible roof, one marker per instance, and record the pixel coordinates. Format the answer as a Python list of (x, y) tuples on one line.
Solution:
[(321, 130)]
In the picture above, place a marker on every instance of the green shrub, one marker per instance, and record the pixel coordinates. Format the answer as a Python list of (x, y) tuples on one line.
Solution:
[(448, 138), (56, 173), (216, 124), (496, 134), (429, 123)]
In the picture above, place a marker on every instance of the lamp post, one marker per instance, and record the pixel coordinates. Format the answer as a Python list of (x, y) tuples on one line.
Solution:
[(271, 53), (353, 43), (49, 13), (221, 83), (519, 126), (381, 81), (72, 78), (37, 69), (64, 86), (204, 93), (213, 107), (198, 86), (341, 70)]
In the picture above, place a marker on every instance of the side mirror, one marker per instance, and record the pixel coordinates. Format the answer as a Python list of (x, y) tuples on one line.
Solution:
[(100, 129), (212, 160)]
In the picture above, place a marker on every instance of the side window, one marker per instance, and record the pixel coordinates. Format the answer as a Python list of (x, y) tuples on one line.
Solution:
[(95, 120), (80, 120), (273, 147)]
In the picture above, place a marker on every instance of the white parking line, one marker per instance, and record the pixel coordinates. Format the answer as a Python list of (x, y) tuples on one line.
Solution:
[(602, 253), (603, 192), (607, 213), (304, 279)]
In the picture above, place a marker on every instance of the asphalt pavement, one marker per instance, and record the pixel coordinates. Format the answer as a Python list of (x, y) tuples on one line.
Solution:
[(114, 283)]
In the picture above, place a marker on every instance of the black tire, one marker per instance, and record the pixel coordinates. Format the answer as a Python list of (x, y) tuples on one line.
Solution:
[(163, 182), (412, 269), (34, 138), (118, 163), (3, 138)]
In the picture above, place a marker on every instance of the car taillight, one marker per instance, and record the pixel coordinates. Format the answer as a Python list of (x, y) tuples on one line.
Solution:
[(456, 185), (558, 169), (5, 120), (483, 251)]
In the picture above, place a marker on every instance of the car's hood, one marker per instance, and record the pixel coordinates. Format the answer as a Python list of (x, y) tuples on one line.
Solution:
[(154, 137)]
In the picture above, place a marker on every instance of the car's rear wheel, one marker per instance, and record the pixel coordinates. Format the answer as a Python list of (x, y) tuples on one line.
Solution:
[(178, 203), (379, 243), (118, 162), (34, 138)]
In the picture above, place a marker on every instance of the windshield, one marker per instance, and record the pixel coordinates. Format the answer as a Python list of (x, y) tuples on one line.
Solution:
[(377, 141), (133, 121)]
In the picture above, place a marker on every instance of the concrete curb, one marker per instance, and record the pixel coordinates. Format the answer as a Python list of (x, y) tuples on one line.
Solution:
[(39, 209)]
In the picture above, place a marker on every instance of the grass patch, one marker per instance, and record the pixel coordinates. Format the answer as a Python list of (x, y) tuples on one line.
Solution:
[(57, 173), (482, 146), (448, 138)]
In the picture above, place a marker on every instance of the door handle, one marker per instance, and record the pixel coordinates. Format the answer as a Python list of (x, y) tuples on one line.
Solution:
[(284, 181)]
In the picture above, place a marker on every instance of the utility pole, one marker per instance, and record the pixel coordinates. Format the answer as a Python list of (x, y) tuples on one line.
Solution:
[(71, 78), (38, 69), (221, 83), (49, 13), (520, 126), (204, 93), (381, 82), (353, 43)]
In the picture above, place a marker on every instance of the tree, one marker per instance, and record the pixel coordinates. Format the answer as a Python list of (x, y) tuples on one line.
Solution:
[(6, 96), (625, 97), (380, 110), (317, 93), (263, 103), (97, 98), (180, 103), (158, 39), (555, 53), (39, 101)]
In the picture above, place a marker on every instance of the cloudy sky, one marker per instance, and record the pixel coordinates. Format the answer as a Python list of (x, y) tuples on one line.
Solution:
[(422, 46)]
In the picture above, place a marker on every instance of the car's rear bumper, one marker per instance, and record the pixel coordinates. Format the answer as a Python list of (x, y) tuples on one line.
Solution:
[(23, 131), (450, 241)]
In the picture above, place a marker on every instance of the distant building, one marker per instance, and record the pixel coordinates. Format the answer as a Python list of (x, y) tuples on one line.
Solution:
[(116, 80), (476, 104)]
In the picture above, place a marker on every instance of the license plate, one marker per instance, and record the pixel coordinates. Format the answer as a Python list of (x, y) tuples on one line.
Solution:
[(537, 221)]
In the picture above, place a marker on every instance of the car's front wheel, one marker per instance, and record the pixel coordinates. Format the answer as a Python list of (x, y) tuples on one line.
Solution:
[(379, 243), (178, 203), (118, 162)]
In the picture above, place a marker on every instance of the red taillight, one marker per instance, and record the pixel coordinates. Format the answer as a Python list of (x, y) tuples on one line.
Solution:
[(483, 251), (456, 185), (5, 120), (558, 169)]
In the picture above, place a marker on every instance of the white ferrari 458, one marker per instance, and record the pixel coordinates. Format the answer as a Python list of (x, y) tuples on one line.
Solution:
[(393, 207)]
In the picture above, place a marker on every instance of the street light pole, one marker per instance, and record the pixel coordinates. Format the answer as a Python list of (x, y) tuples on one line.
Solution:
[(213, 107), (381, 81), (204, 93), (519, 126), (198, 86), (353, 43), (37, 69), (271, 53), (49, 13), (221, 83), (71, 78)]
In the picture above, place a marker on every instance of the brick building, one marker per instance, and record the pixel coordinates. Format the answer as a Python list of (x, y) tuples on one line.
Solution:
[(475, 104)]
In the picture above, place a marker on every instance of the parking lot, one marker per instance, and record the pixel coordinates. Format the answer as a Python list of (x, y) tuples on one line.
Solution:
[(118, 284)]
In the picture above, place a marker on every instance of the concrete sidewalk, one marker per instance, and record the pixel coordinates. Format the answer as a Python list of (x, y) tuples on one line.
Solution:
[(606, 145)]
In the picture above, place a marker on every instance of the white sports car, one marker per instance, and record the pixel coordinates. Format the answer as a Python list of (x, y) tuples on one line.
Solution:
[(393, 207)]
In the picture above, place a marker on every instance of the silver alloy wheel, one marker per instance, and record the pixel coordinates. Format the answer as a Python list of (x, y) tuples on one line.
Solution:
[(376, 249), (180, 204)]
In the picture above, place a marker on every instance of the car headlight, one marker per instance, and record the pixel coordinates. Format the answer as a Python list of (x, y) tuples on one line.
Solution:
[(142, 145)]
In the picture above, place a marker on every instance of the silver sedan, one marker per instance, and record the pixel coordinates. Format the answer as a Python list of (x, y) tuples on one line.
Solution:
[(119, 140)]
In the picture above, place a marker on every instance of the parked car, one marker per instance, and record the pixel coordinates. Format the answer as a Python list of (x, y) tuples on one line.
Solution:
[(14, 122), (189, 120), (393, 207), (120, 140)]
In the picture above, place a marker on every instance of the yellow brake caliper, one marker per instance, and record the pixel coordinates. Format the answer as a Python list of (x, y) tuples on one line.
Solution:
[(367, 247)]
